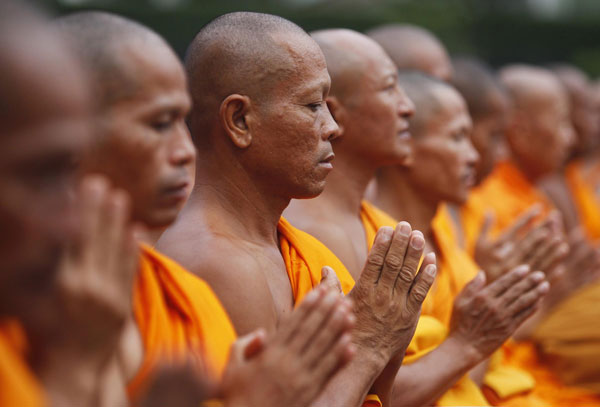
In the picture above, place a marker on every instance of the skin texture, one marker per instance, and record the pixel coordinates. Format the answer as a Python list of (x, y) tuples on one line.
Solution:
[(246, 176), (485, 314), (413, 48), (72, 306), (144, 146)]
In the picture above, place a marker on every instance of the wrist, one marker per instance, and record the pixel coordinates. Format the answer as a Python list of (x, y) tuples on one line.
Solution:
[(464, 350)]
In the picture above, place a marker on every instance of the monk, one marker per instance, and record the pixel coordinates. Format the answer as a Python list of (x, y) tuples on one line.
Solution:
[(573, 188), (366, 100), (442, 146), (143, 146), (263, 133), (61, 315), (414, 48)]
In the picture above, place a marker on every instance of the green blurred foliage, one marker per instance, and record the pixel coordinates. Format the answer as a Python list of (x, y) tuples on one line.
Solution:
[(499, 31)]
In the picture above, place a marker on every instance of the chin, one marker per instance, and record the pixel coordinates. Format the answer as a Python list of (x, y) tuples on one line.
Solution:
[(311, 191)]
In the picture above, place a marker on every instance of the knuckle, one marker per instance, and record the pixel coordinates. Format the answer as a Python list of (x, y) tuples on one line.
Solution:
[(419, 294), (393, 262), (405, 276), (375, 260)]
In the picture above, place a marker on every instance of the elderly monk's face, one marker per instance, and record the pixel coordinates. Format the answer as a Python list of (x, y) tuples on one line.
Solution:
[(444, 158), (145, 147), (292, 129), (378, 112), (41, 142), (488, 135), (546, 134)]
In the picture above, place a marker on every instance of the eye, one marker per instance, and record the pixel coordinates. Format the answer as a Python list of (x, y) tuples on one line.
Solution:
[(459, 136), (162, 125), (315, 106)]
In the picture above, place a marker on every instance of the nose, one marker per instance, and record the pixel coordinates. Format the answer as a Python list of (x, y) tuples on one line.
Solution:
[(331, 130), (472, 155), (182, 151), (568, 136), (406, 107)]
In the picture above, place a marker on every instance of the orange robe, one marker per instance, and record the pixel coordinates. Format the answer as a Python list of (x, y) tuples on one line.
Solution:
[(179, 318), (507, 193), (304, 257), (430, 331), (18, 384), (583, 181)]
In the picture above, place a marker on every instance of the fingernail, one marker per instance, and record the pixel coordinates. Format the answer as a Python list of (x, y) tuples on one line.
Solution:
[(522, 270), (538, 276), (404, 228), (544, 287), (431, 270), (417, 241), (384, 235)]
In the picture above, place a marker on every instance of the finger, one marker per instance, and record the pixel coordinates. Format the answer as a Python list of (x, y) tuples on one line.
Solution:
[(423, 283), (256, 344), (238, 348), (529, 298), (332, 362), (474, 286), (486, 227), (330, 280), (116, 232), (526, 313), (376, 257), (407, 273), (507, 281), (554, 252), (340, 322), (395, 255), (522, 287), (307, 328), (521, 224), (528, 247), (287, 328), (93, 195)]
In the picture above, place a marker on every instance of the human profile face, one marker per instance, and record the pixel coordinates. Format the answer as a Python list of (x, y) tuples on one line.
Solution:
[(376, 126), (487, 135), (145, 146), (444, 161), (292, 127), (39, 149)]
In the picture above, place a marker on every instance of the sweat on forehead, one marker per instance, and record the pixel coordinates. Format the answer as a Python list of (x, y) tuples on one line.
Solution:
[(426, 94), (101, 40)]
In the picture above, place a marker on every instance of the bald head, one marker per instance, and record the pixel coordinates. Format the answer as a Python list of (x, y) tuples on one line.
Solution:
[(540, 133), (241, 53), (45, 126), (584, 114), (350, 58), (413, 48), (108, 45)]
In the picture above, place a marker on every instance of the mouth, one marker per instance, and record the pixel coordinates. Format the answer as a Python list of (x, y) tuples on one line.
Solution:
[(404, 133), (177, 191), (327, 162), (469, 179)]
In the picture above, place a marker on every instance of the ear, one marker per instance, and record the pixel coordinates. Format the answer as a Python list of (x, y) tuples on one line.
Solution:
[(233, 112), (338, 111)]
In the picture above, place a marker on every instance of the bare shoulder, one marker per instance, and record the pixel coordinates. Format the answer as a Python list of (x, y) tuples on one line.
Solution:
[(231, 271)]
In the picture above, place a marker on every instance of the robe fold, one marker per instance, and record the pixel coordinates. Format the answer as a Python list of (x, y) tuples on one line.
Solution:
[(507, 194), (583, 182), (431, 331), (304, 257), (18, 384), (180, 319)]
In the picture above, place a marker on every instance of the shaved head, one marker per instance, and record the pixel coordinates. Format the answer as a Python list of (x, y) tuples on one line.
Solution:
[(45, 127), (426, 93), (106, 43), (413, 48), (365, 98), (540, 134), (584, 114), (241, 53)]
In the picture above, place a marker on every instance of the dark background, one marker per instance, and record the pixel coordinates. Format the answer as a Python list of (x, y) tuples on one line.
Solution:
[(499, 31)]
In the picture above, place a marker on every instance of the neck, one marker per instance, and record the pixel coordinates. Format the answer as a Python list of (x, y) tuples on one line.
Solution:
[(530, 174), (347, 183), (403, 201), (233, 202)]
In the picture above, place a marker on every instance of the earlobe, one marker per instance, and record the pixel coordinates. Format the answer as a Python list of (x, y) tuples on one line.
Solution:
[(337, 112), (233, 112)]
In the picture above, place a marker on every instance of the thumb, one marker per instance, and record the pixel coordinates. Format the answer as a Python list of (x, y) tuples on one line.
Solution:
[(330, 280), (248, 346), (475, 285), (486, 227)]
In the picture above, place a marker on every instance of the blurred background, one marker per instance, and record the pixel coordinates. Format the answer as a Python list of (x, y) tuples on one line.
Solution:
[(499, 31)]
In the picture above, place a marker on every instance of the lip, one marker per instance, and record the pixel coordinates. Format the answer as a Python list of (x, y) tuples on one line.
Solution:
[(177, 191), (404, 134), (469, 179)]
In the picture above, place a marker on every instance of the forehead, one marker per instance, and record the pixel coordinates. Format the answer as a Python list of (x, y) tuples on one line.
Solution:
[(452, 113)]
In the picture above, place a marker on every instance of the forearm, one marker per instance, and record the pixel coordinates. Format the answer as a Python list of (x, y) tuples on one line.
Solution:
[(70, 384), (350, 386), (426, 380), (384, 384)]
